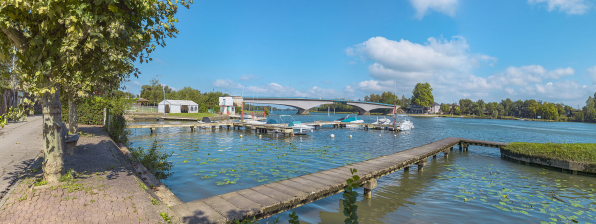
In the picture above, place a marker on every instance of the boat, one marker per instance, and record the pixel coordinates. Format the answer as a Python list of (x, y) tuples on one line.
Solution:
[(351, 118), (254, 122), (404, 124), (299, 127), (383, 120)]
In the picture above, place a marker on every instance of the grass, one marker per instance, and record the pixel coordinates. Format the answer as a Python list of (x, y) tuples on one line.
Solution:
[(193, 115), (576, 152)]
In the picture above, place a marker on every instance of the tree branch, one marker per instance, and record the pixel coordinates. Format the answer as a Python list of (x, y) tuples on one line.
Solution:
[(18, 39)]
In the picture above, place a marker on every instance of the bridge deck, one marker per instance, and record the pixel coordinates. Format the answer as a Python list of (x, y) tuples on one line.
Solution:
[(273, 198)]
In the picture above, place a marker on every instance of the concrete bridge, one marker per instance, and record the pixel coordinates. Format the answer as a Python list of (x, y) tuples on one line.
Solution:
[(304, 104)]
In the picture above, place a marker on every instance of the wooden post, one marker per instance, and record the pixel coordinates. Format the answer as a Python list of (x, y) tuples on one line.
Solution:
[(152, 130)]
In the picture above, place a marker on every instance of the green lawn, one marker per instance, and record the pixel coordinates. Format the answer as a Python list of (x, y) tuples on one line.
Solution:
[(577, 152), (197, 115)]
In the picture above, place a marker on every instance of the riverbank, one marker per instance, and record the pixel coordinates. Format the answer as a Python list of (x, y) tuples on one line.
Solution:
[(104, 188), (570, 156)]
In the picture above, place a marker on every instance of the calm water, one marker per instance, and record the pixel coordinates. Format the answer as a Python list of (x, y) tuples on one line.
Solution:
[(477, 186)]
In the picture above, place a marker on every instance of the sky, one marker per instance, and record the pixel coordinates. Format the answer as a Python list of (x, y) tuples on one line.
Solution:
[(490, 50)]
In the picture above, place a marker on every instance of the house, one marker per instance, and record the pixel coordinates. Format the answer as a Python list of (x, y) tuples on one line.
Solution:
[(177, 106), (414, 109), (226, 105), (434, 109)]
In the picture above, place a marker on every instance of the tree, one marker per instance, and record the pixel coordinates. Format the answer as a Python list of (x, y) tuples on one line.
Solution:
[(63, 42), (466, 106), (422, 95), (457, 111), (492, 107), (445, 108), (481, 106), (507, 105)]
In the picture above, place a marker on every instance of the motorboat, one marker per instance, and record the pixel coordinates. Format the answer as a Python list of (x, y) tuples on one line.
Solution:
[(404, 124), (383, 120), (254, 122), (299, 127), (351, 118), (247, 116)]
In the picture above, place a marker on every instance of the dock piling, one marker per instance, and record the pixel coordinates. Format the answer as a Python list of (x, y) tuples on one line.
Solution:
[(368, 186), (421, 165)]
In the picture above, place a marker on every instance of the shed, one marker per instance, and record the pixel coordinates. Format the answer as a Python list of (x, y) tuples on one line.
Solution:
[(178, 106)]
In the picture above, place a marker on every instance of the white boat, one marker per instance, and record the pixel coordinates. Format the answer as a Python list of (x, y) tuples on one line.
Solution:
[(299, 127), (383, 120), (404, 124), (247, 116), (254, 122)]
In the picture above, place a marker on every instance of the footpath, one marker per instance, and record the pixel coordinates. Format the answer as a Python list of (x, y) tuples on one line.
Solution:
[(104, 188), (20, 144)]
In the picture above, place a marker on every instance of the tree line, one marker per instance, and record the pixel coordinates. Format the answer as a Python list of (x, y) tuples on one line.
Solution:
[(523, 109)]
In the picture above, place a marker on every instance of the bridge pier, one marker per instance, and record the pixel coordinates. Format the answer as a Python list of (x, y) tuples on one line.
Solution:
[(368, 187), (303, 112)]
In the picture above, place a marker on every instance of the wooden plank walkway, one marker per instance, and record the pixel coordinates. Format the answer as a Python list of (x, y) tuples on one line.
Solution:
[(277, 197)]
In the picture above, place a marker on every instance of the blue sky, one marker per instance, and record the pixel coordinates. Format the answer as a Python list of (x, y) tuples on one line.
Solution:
[(540, 49)]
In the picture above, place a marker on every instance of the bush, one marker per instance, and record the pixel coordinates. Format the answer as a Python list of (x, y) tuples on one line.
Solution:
[(155, 161)]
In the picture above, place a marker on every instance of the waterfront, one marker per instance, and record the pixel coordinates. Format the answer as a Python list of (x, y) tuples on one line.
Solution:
[(209, 163)]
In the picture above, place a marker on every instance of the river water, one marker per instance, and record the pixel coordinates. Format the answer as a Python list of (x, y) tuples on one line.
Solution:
[(467, 187)]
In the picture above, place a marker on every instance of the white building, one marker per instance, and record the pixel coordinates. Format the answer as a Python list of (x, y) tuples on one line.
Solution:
[(178, 106), (226, 105), (434, 109)]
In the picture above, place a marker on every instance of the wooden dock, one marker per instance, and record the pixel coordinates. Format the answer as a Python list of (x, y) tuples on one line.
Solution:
[(261, 128), (270, 199)]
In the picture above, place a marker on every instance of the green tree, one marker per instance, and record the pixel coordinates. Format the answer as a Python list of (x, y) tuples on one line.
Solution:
[(445, 108), (457, 111), (64, 42), (465, 106), (422, 95)]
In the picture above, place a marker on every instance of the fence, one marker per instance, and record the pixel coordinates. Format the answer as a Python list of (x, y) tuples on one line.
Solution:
[(143, 109)]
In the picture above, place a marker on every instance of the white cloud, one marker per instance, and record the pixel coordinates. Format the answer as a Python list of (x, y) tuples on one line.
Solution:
[(563, 90), (136, 83), (510, 91), (326, 81), (592, 72), (412, 62), (249, 77), (226, 83), (158, 60), (567, 6), (445, 6), (375, 86), (525, 75)]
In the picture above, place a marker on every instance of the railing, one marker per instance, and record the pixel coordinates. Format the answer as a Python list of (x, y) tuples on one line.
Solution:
[(143, 109), (312, 98)]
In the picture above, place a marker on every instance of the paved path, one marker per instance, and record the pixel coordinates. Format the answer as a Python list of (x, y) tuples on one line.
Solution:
[(105, 190), (20, 143)]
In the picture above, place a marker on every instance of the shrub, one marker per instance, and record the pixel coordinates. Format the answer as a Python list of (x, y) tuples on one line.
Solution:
[(155, 161)]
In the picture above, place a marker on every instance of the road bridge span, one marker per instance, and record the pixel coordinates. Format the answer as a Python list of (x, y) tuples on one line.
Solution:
[(304, 104)]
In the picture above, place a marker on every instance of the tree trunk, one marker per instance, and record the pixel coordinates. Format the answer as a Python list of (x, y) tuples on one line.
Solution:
[(73, 120), (53, 164)]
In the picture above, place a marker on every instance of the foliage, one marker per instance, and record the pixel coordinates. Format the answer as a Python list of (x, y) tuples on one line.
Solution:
[(350, 195), (293, 218), (165, 217), (422, 95), (68, 176), (457, 111), (465, 106), (266, 110), (445, 108), (155, 161), (577, 152)]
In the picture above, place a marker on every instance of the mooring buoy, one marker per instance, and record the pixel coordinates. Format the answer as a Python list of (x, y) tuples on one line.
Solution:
[(332, 136)]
